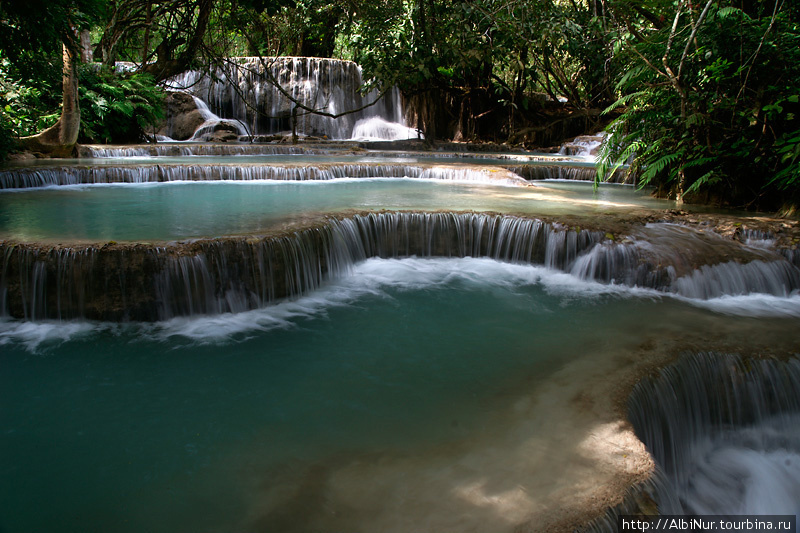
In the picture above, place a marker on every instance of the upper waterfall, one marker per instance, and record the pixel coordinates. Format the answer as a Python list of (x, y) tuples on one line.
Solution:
[(253, 91)]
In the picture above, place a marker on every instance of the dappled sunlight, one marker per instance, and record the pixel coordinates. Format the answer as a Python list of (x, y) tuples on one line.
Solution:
[(513, 505), (615, 445), (553, 455), (559, 197)]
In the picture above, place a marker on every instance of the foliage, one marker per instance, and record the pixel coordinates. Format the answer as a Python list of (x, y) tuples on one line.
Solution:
[(42, 25), (27, 104), (493, 65), (711, 107), (284, 27), (113, 108), (118, 108)]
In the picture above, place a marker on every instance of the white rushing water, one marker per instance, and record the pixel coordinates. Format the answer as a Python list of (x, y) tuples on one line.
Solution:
[(378, 128), (754, 470), (212, 121), (483, 387), (246, 89), (403, 368), (584, 146), (724, 431)]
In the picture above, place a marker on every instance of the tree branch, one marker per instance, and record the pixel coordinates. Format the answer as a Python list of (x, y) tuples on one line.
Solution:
[(691, 37)]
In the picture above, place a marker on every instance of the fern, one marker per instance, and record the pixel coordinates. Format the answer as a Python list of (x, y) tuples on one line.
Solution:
[(730, 11), (655, 168), (709, 178), (623, 101), (118, 109), (700, 161)]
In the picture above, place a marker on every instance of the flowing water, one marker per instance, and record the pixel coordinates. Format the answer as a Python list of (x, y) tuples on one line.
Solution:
[(140, 165), (725, 433), (301, 342), (179, 210), (246, 90), (411, 395)]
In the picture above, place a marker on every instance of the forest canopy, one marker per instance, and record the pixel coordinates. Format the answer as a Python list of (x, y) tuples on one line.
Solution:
[(700, 98)]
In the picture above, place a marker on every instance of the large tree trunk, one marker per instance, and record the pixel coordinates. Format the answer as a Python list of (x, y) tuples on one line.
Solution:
[(59, 140)]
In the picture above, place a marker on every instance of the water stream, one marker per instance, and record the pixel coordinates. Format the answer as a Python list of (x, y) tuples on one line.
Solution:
[(725, 434), (278, 338), (243, 90), (184, 209), (379, 401)]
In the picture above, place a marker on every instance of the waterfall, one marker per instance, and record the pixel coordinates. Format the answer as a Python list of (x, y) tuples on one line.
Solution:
[(42, 177), (367, 129), (566, 172), (724, 433), (699, 265), (777, 278), (25, 178), (187, 149), (148, 173), (142, 282), (244, 91), (584, 145), (213, 122)]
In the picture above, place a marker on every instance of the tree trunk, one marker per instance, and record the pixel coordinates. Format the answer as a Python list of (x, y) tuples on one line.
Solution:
[(87, 56), (59, 140)]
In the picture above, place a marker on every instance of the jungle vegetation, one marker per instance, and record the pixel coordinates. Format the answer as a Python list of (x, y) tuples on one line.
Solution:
[(700, 99)]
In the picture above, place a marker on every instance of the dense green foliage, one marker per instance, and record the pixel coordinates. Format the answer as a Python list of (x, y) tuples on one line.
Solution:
[(118, 109), (29, 96), (482, 69), (114, 108), (711, 103)]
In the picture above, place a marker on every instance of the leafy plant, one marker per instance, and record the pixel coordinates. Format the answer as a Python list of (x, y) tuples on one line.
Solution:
[(26, 105), (710, 105), (118, 108)]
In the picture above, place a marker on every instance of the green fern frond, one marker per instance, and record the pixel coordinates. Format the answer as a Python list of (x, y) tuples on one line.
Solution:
[(709, 178), (623, 101), (653, 169)]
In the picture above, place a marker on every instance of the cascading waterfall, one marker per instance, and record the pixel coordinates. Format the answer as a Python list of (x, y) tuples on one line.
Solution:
[(777, 278), (232, 275), (584, 145), (201, 149), (724, 433), (212, 121), (235, 274), (244, 91), (33, 177), (566, 172), (691, 264), (628, 264)]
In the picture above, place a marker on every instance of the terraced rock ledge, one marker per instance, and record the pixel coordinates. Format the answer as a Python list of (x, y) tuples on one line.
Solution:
[(598, 461)]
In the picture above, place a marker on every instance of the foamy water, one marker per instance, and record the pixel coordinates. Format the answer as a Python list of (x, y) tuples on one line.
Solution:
[(411, 395), (377, 278), (747, 471)]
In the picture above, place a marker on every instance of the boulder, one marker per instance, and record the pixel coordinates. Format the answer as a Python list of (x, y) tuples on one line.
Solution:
[(218, 131), (182, 116)]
